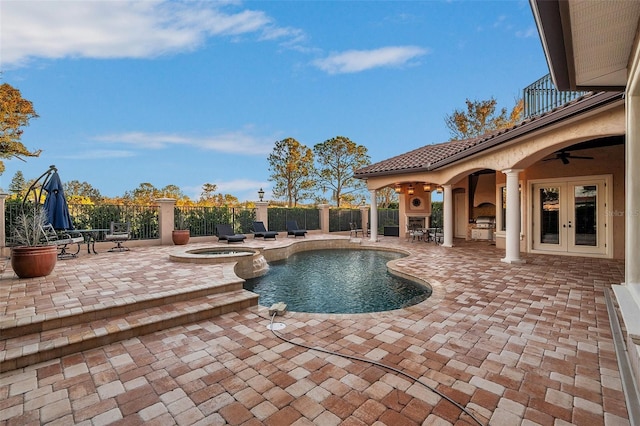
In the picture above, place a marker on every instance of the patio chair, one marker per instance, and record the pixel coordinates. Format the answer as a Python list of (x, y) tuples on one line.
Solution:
[(119, 232), (259, 230), (353, 227), (293, 229), (62, 240), (225, 233)]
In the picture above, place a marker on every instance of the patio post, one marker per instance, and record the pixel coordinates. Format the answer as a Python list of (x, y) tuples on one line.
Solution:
[(512, 240), (324, 217), (166, 220), (364, 219), (374, 216), (3, 230), (447, 212), (262, 214)]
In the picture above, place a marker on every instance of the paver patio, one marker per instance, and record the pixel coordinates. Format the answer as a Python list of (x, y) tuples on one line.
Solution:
[(516, 344)]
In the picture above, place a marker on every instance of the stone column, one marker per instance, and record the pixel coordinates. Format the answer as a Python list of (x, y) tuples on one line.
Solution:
[(262, 214), (324, 217), (166, 220), (3, 231), (374, 216), (364, 219), (512, 238), (447, 213)]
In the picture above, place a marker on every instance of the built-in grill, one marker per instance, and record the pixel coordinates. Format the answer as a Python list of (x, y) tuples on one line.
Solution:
[(485, 222), (483, 228)]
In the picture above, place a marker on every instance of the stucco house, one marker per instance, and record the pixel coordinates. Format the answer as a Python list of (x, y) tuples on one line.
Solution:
[(566, 180)]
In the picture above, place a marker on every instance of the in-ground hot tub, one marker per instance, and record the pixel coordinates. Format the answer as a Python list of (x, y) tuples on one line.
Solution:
[(249, 262)]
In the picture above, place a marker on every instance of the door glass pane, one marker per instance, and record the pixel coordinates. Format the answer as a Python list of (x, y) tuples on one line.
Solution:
[(550, 215), (503, 209), (585, 215)]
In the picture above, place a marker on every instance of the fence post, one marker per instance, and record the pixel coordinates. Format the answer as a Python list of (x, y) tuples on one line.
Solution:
[(262, 214), (166, 219), (324, 218), (3, 230)]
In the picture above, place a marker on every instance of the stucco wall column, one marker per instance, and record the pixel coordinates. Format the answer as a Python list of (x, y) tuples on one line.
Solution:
[(374, 216), (3, 232), (447, 212), (262, 214), (324, 217), (512, 240), (364, 219), (166, 219)]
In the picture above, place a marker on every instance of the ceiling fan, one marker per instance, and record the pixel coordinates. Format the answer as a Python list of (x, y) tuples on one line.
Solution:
[(564, 156)]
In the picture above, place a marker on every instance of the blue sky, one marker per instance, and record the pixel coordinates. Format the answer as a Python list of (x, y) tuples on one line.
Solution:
[(187, 93)]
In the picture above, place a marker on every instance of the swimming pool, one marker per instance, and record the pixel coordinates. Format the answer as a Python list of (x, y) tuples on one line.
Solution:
[(337, 281)]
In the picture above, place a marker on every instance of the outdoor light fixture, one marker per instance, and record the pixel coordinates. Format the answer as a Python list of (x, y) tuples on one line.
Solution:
[(410, 190), (398, 189), (261, 194), (426, 187), (439, 189)]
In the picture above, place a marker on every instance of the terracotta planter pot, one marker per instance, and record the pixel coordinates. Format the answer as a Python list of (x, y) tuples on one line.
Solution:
[(180, 236), (32, 262)]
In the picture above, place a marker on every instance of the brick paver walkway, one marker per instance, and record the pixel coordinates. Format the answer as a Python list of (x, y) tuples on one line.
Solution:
[(516, 344)]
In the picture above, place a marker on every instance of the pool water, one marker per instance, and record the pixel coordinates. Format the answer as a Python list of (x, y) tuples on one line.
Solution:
[(337, 281)]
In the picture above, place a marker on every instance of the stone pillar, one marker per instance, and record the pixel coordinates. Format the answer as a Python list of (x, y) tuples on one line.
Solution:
[(3, 231), (364, 219), (166, 220), (447, 213), (374, 215), (512, 238), (262, 214), (324, 217)]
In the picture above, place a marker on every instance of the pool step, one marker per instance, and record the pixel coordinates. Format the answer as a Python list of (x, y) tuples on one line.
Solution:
[(28, 349)]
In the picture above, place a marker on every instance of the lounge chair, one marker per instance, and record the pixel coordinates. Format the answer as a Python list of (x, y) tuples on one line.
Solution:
[(259, 230), (119, 232), (225, 233), (293, 229)]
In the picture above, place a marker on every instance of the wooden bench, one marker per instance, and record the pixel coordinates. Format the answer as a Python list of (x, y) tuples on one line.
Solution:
[(62, 241)]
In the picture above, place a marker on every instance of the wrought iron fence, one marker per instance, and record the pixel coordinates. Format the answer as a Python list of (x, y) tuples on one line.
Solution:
[(308, 219), (542, 96), (339, 219), (202, 221)]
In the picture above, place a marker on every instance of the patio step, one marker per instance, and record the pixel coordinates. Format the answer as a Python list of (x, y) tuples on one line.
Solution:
[(21, 350)]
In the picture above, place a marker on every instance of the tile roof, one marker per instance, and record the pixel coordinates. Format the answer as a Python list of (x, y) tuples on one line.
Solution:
[(435, 156)]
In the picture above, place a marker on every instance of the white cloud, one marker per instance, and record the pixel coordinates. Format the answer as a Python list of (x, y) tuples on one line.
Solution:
[(529, 32), (98, 154), (353, 61), (237, 142), (123, 29)]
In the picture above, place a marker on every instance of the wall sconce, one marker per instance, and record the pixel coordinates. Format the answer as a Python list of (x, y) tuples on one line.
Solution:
[(426, 187), (410, 189), (439, 189), (398, 189), (261, 194)]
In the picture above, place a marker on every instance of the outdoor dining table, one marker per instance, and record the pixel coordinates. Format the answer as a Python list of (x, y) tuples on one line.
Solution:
[(90, 237)]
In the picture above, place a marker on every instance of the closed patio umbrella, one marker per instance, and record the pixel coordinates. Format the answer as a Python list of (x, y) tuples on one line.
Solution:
[(56, 204)]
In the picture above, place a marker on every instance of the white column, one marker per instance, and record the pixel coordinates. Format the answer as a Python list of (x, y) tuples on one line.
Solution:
[(447, 212), (374, 216), (512, 239), (632, 195)]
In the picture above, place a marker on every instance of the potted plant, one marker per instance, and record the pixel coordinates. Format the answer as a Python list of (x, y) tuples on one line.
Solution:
[(32, 256), (180, 235)]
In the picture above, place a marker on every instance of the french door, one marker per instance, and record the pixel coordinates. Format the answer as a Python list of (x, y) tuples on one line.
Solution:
[(570, 216)]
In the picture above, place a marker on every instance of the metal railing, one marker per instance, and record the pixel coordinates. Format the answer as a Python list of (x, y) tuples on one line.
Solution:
[(202, 221), (542, 96)]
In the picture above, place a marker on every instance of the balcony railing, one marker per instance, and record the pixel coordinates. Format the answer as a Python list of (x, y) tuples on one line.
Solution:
[(542, 96)]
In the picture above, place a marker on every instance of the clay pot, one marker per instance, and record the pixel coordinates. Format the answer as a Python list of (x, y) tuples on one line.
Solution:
[(180, 237), (32, 262)]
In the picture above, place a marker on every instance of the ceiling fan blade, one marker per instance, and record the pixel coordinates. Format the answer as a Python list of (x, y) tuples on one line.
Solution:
[(581, 158), (565, 159)]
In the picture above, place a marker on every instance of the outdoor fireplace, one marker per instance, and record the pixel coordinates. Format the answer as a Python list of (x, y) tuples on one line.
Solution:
[(416, 222)]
